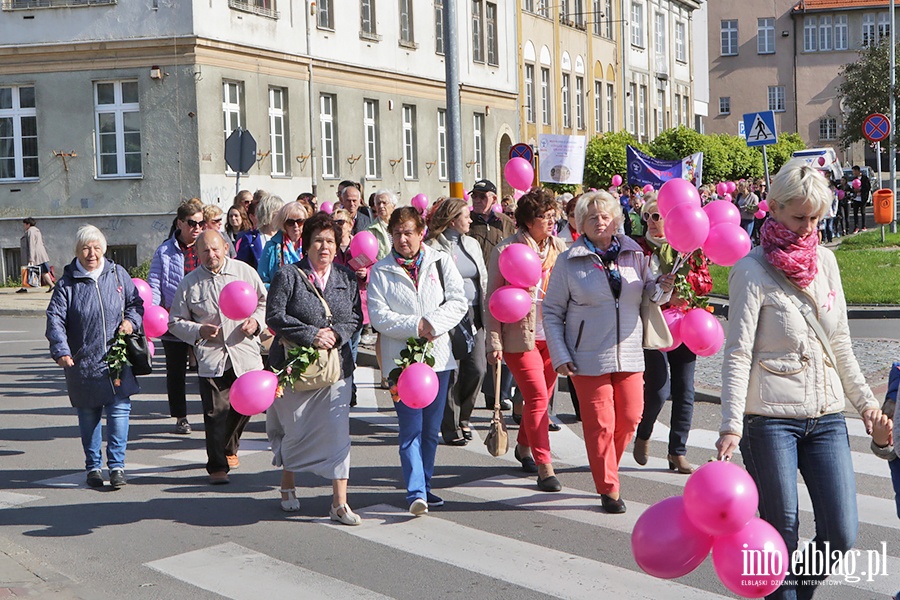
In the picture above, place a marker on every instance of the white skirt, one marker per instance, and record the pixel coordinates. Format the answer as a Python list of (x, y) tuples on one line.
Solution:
[(310, 431)]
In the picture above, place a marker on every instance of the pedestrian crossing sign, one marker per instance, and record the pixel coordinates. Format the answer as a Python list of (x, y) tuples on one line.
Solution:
[(759, 128)]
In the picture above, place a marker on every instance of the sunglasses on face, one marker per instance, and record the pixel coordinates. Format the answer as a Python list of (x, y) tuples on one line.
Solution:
[(219, 220), (647, 217), (292, 222), (192, 224)]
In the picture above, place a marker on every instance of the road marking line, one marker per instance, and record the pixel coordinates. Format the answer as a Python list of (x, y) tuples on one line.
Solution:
[(77, 479), (12, 499), (199, 455)]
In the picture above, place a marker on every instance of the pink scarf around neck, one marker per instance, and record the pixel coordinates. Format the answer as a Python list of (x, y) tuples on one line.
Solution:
[(789, 253)]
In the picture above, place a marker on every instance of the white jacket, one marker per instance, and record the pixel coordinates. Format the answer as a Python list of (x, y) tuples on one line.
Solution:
[(774, 364), (396, 306)]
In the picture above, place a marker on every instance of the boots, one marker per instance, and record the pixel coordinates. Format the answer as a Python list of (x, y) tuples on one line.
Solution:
[(680, 464), (641, 451)]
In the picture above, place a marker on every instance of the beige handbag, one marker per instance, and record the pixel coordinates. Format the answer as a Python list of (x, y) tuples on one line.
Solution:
[(497, 439), (656, 331)]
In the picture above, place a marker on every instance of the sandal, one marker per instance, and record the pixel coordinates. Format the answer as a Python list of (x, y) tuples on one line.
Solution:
[(291, 504), (347, 518)]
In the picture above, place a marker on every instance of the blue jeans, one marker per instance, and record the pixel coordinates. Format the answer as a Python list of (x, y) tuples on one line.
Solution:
[(116, 434), (658, 386), (894, 464), (773, 450), (419, 430)]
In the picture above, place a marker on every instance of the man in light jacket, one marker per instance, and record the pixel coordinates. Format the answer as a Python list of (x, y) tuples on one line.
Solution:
[(225, 349)]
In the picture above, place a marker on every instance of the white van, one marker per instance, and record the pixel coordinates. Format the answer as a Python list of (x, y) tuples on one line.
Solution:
[(823, 159)]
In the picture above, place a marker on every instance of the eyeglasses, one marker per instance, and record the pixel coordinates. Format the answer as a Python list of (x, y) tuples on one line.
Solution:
[(292, 222), (192, 224), (479, 195), (647, 217)]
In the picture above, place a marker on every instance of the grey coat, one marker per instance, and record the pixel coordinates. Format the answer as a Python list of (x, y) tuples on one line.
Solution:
[(295, 313)]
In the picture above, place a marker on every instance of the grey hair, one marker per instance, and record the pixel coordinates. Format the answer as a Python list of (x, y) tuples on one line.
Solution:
[(389, 193), (87, 234), (267, 208), (796, 182), (604, 201)]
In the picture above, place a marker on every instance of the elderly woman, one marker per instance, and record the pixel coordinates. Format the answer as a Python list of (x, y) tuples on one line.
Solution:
[(385, 201), (594, 334), (249, 246), (407, 300), (789, 365), (214, 219), (285, 247), (669, 374), (310, 430), (93, 302), (449, 224), (236, 223), (748, 203), (523, 344)]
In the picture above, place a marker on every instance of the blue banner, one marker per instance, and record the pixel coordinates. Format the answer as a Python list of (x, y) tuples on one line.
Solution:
[(643, 169)]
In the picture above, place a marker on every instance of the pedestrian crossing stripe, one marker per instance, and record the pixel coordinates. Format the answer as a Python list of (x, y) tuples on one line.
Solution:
[(759, 131)]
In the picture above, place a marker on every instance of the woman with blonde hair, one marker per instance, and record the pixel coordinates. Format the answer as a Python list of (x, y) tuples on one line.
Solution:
[(447, 229), (285, 247)]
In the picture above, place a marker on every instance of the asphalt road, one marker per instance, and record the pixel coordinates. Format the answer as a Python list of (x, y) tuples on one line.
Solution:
[(168, 534)]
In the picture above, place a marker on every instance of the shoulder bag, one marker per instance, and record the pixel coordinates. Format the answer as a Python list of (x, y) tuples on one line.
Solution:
[(136, 347), (462, 338), (656, 331), (497, 438), (326, 369)]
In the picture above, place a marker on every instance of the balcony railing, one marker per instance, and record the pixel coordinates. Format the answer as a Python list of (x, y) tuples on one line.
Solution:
[(32, 4), (262, 8)]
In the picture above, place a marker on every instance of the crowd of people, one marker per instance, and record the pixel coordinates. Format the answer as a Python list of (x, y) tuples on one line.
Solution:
[(785, 376)]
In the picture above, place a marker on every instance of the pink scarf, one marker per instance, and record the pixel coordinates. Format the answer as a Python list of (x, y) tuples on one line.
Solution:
[(789, 253)]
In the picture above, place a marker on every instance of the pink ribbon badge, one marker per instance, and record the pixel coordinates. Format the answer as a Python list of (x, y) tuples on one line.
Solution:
[(829, 301)]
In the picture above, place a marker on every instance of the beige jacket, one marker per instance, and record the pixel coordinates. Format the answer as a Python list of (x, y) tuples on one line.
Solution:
[(510, 337), (774, 364), (196, 303)]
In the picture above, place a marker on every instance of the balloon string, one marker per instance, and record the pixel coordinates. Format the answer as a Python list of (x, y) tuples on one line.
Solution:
[(679, 262)]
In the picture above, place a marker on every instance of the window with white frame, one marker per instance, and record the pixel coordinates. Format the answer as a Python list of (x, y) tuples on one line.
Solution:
[(725, 105), (439, 27), (529, 93), (442, 144), (563, 10), (406, 22), (686, 110), (659, 37), (543, 8), (868, 29), (632, 108), (676, 106), (680, 42), (545, 95), (325, 14), (579, 102), (729, 34), (637, 24), (367, 17), (18, 134), (370, 128), (579, 14), (608, 19), (642, 110), (884, 25), (828, 128), (566, 110), (485, 46), (327, 112), (118, 124), (776, 98), (491, 32), (477, 33), (598, 106), (765, 35), (278, 131), (841, 33), (528, 5), (825, 33), (410, 153), (478, 140), (810, 34), (660, 111), (232, 91), (596, 19), (610, 109)]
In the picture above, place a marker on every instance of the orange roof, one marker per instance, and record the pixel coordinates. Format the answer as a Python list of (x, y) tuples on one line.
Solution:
[(833, 4)]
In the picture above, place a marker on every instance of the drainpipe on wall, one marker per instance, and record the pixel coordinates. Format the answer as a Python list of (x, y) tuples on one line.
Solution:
[(312, 98)]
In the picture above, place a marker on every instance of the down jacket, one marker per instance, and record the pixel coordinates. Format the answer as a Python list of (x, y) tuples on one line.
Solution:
[(396, 306), (82, 319), (166, 272), (583, 322), (774, 364)]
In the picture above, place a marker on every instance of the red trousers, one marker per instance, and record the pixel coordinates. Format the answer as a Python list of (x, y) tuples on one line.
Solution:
[(611, 407), (535, 376)]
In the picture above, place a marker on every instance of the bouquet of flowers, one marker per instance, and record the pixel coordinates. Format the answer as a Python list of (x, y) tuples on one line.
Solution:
[(117, 357), (296, 362)]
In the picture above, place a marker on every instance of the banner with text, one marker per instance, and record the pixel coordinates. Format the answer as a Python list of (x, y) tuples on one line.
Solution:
[(643, 169), (562, 158)]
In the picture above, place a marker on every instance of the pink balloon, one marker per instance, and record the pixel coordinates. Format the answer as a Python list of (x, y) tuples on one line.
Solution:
[(156, 321), (419, 202), (509, 304), (616, 180), (238, 300), (720, 498), (253, 392), (856, 184), (518, 194), (152, 347), (721, 188), (760, 214), (366, 244), (731, 556), (673, 318), (665, 543), (519, 173), (821, 161), (144, 290), (417, 385), (727, 197), (764, 206), (726, 244), (520, 265), (648, 188), (722, 211), (686, 227), (731, 186), (326, 207), (466, 196), (497, 208), (702, 333), (675, 192), (841, 194)]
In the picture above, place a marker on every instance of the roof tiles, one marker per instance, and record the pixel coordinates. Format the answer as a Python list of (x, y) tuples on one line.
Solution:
[(832, 4)]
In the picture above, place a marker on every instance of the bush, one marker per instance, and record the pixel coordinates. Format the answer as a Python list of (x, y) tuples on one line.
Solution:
[(142, 271)]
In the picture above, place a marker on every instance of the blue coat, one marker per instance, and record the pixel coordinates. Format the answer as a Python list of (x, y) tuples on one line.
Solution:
[(82, 320), (274, 257), (166, 272)]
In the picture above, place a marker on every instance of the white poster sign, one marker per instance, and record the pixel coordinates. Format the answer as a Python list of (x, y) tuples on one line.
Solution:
[(562, 158)]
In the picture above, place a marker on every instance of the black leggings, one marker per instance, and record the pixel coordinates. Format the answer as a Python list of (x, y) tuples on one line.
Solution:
[(859, 215)]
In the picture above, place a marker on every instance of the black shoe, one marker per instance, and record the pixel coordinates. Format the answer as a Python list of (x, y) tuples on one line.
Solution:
[(517, 419), (433, 500), (467, 434), (549, 484), (21, 291), (554, 426), (182, 427), (528, 464), (95, 478), (353, 395), (117, 478), (457, 442), (613, 507), (506, 404)]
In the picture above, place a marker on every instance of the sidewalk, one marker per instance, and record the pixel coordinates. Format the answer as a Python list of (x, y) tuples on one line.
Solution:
[(23, 575), (32, 304)]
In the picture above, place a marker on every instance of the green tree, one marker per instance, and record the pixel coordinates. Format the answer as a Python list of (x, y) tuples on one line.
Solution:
[(865, 89), (606, 156), (676, 143)]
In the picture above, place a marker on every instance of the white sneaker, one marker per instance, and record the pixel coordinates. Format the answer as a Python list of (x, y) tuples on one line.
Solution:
[(418, 507)]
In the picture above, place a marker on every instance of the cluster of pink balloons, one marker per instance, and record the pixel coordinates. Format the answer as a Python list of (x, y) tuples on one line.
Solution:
[(238, 300), (725, 187), (156, 318), (253, 392), (417, 385), (519, 173), (521, 267), (420, 203), (696, 328), (717, 512)]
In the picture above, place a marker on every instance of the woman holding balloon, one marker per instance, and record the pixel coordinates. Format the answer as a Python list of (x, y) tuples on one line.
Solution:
[(310, 430), (416, 292), (285, 247), (748, 203), (515, 324), (594, 335), (789, 365)]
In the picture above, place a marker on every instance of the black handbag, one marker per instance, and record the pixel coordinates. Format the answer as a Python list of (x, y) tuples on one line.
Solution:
[(138, 351), (462, 337)]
